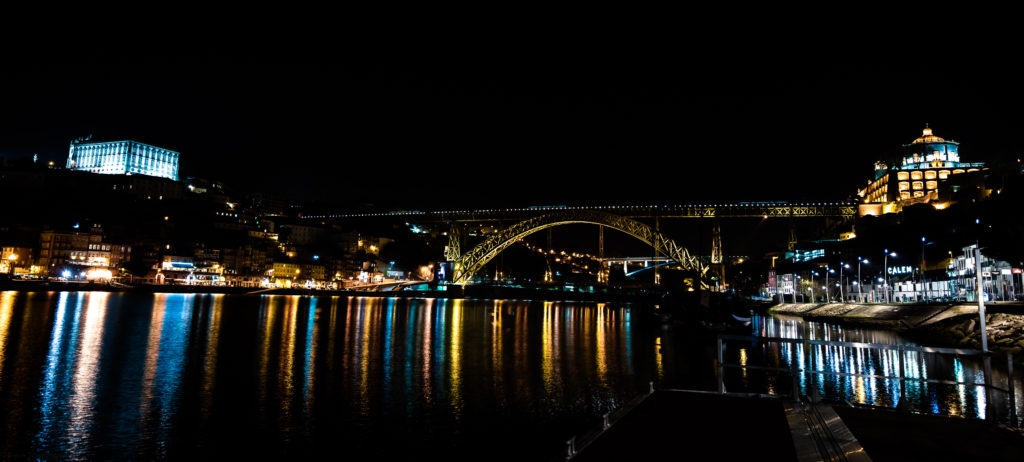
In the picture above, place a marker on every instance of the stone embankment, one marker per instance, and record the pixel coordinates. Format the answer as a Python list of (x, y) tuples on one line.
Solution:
[(947, 325)]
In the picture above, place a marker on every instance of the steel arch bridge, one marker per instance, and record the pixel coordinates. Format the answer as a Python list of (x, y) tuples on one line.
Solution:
[(469, 263)]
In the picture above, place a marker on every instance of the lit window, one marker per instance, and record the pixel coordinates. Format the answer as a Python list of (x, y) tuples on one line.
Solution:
[(916, 175), (903, 176), (959, 170), (905, 195), (918, 193), (904, 185), (929, 175), (943, 174), (918, 185), (932, 185)]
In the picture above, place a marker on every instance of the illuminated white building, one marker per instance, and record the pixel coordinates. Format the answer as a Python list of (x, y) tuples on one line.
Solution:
[(123, 158), (923, 165)]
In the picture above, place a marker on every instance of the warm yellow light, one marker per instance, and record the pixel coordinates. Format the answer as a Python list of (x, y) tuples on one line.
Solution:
[(12, 257), (98, 274), (166, 218)]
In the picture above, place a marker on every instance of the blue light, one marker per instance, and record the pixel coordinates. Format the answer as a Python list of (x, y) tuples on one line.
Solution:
[(65, 274), (75, 226), (316, 257)]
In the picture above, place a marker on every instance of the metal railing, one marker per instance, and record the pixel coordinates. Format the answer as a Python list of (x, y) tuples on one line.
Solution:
[(576, 444), (902, 376)]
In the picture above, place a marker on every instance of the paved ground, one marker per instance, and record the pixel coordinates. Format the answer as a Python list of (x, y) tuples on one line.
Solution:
[(893, 436), (692, 426), (697, 426)]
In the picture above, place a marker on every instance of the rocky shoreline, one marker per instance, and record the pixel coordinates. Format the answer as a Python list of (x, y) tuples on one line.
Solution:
[(940, 325)]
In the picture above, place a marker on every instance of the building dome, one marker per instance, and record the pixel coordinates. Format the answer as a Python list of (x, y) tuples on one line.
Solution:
[(928, 137)]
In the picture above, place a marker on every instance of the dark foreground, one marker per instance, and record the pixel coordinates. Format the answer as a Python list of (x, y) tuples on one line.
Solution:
[(670, 425)]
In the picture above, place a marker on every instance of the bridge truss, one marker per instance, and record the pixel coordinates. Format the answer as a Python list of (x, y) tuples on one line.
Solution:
[(476, 258)]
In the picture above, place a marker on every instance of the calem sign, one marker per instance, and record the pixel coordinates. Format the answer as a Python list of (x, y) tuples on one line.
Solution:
[(900, 270)]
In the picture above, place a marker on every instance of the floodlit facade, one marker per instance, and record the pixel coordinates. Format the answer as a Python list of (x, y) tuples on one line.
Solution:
[(924, 164), (123, 158)]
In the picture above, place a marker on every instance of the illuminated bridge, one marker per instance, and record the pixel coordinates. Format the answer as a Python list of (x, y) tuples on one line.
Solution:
[(511, 225)]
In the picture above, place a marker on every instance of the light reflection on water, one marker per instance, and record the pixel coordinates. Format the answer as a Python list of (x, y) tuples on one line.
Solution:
[(179, 375), (958, 400), (135, 376)]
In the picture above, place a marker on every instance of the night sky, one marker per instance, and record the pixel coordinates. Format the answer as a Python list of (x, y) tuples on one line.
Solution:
[(410, 122)]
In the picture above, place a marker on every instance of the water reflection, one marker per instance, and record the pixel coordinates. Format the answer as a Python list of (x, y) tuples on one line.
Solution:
[(134, 376), (867, 375), (6, 312)]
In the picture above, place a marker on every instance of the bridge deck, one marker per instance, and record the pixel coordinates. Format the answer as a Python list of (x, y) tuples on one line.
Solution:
[(735, 210)]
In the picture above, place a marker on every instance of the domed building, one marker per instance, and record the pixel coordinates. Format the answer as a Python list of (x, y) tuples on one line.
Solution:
[(924, 165)]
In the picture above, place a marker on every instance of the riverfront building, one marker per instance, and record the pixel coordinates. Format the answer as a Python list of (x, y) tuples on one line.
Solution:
[(123, 158), (916, 176)]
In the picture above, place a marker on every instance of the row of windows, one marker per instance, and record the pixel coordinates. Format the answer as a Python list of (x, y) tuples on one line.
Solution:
[(927, 174), (905, 185), (124, 148)]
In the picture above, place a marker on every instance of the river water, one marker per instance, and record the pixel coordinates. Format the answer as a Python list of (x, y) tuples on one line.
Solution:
[(95, 375)]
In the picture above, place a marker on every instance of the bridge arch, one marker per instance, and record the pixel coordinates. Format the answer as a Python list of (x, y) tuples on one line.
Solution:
[(476, 258)]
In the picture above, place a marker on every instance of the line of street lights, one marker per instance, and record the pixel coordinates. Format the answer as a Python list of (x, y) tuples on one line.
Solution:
[(859, 282)]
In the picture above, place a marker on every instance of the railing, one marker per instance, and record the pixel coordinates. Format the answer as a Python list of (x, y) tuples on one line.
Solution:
[(902, 376), (576, 444)]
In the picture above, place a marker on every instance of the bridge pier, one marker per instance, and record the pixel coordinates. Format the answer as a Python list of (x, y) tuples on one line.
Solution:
[(549, 274)]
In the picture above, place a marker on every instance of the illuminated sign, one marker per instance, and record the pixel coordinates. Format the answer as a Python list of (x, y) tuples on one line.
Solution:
[(900, 270), (808, 255)]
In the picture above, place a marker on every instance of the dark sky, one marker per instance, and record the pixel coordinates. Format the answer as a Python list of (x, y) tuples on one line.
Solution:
[(414, 122)]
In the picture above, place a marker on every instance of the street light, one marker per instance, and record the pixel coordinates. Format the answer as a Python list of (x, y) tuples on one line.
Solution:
[(827, 270), (924, 290), (860, 293), (842, 298), (813, 273), (885, 275)]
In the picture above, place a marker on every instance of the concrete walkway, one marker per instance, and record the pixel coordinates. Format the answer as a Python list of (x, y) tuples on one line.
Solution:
[(691, 425)]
